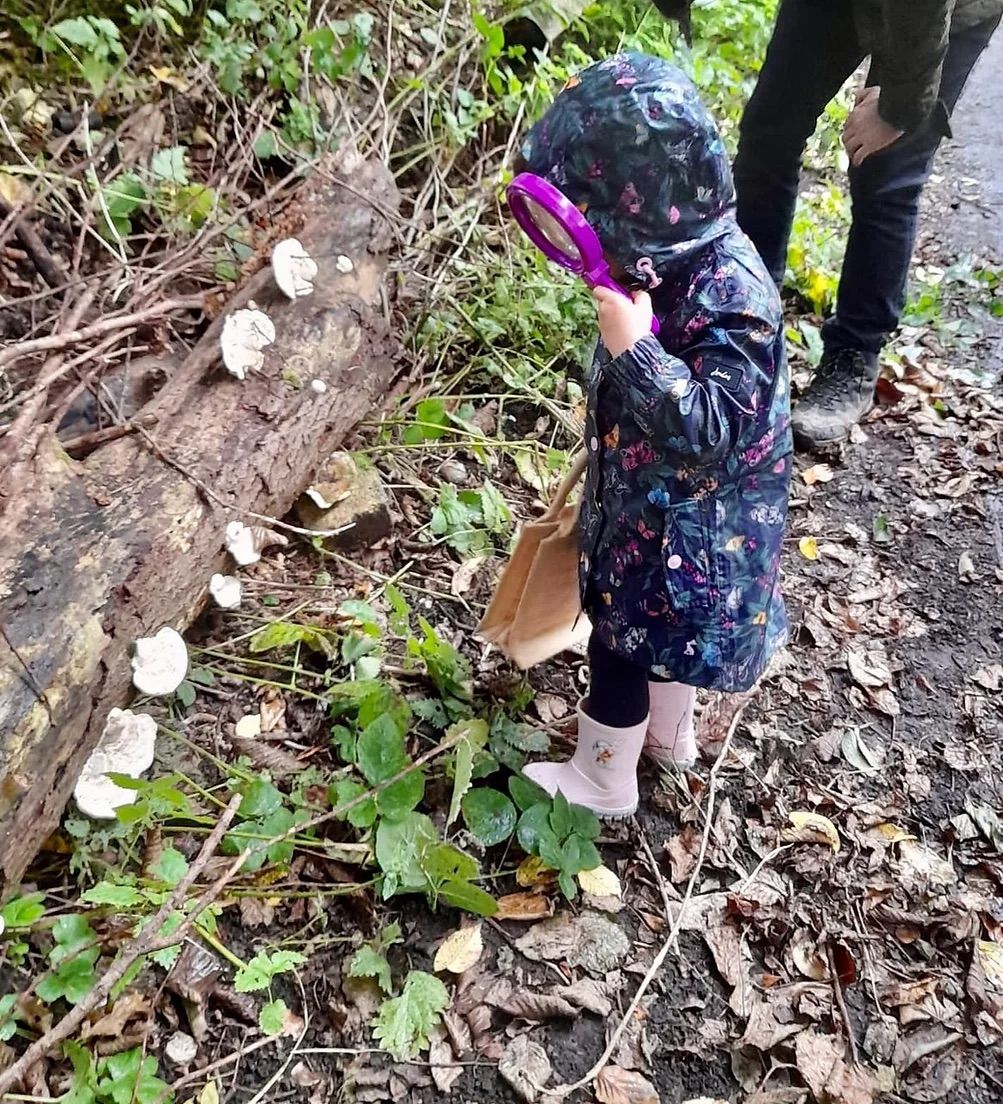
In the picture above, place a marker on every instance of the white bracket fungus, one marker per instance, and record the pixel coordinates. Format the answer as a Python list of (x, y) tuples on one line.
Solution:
[(126, 747), (225, 591), (160, 663), (246, 542), (294, 269), (245, 334)]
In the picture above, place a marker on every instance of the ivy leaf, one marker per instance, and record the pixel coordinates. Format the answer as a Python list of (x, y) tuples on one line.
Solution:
[(404, 1024), (272, 1017), (489, 815), (473, 737), (367, 962)]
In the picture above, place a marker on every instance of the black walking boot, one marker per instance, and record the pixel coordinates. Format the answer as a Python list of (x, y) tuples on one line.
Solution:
[(841, 393)]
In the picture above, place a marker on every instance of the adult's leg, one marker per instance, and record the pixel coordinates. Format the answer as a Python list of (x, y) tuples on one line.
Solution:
[(886, 191), (813, 50)]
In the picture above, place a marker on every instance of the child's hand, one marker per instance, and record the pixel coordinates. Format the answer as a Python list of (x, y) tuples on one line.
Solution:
[(622, 321)]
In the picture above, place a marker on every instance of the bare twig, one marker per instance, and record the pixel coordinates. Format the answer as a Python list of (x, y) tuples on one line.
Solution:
[(41, 258), (98, 329), (146, 941), (87, 441), (837, 988)]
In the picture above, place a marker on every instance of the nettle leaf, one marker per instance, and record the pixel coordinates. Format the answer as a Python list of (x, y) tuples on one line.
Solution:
[(258, 973), (431, 710), (473, 735), (272, 1017), (489, 815), (404, 1024), (367, 962)]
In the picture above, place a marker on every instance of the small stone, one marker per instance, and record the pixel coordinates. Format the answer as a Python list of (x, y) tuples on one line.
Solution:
[(318, 386), (181, 1049), (344, 264), (358, 504)]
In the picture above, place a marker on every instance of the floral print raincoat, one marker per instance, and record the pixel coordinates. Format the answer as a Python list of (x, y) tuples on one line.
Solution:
[(688, 434)]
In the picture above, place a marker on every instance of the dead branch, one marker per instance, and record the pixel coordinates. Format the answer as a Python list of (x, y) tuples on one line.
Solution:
[(98, 329), (25, 234)]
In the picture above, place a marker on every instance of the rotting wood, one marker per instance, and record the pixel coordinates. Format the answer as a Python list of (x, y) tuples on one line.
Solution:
[(95, 554)]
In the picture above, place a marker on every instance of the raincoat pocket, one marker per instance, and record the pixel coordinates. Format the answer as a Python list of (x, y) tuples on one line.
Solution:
[(688, 557)]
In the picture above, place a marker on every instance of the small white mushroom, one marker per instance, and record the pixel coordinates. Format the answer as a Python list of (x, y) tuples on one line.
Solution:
[(294, 269), (225, 591), (126, 747), (318, 499), (344, 264), (318, 386), (246, 542), (181, 1049), (245, 334), (160, 663), (248, 727)]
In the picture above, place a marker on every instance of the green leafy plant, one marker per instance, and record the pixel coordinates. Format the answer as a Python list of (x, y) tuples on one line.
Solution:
[(404, 1024), (8, 1016), (71, 961), (562, 836), (370, 960), (264, 967), (129, 1077), (467, 520)]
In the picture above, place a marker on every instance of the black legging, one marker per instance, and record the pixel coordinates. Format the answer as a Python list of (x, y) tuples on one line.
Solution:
[(618, 696)]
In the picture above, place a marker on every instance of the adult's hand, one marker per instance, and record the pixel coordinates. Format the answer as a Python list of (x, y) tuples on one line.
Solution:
[(865, 131)]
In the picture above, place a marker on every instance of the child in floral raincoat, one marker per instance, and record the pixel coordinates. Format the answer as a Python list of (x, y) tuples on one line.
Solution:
[(688, 434)]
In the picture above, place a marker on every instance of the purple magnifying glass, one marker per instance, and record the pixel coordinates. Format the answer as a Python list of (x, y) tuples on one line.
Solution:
[(557, 228)]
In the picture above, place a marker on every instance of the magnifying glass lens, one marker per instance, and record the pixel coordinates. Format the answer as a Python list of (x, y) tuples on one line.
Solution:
[(552, 229)]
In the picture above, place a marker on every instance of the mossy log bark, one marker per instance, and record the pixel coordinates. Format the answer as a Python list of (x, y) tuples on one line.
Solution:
[(95, 554)]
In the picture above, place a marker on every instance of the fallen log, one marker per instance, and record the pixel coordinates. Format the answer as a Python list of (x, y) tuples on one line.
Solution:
[(97, 553)]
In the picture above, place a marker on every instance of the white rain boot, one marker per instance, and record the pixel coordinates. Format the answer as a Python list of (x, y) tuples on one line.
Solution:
[(671, 740), (602, 774)]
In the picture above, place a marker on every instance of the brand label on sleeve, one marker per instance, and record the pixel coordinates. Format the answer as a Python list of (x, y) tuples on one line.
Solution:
[(728, 378)]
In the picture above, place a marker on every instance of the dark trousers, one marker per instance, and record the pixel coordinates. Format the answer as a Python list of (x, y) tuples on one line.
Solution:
[(813, 51), (618, 691)]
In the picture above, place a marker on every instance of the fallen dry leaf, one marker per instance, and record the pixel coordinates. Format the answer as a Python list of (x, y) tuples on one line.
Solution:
[(248, 727), (538, 1007), (464, 575), (808, 547), (524, 906), (589, 940), (459, 951), (587, 994), (683, 850), (446, 1071), (818, 473), (764, 1030), (526, 1067), (615, 1085), (811, 828), (128, 1006), (601, 882), (869, 668)]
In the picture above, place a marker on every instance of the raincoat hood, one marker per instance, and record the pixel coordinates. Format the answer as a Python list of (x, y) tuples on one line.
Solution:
[(630, 144)]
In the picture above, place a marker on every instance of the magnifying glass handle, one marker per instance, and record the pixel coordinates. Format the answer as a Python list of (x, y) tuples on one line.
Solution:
[(603, 279)]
